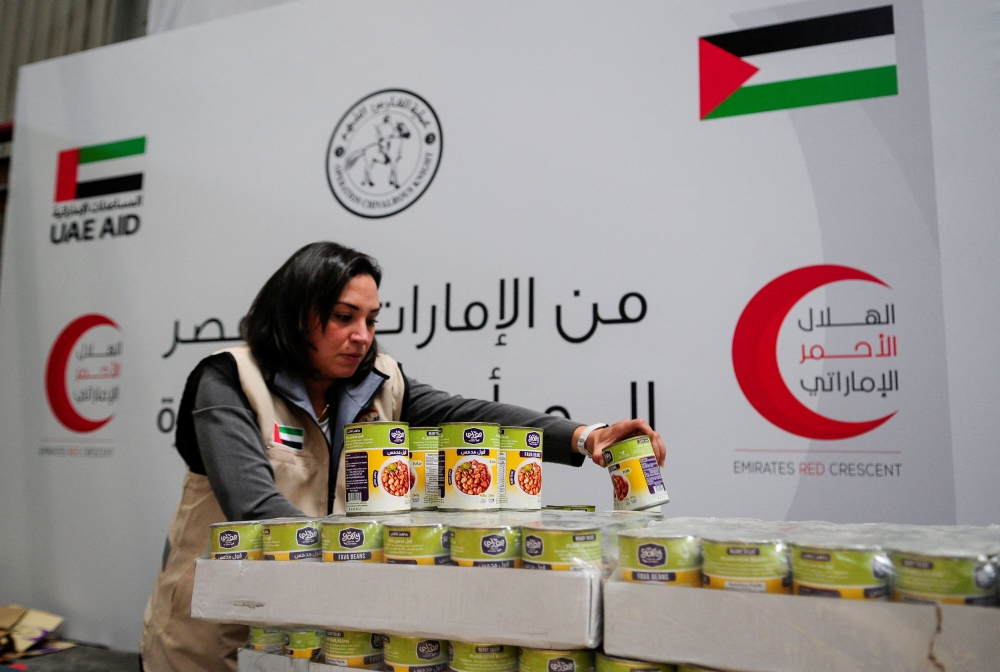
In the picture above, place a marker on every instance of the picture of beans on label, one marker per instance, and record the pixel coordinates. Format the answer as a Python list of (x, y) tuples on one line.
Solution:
[(621, 487), (529, 479), (396, 478), (472, 477)]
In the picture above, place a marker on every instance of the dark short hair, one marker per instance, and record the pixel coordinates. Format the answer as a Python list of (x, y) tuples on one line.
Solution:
[(277, 326)]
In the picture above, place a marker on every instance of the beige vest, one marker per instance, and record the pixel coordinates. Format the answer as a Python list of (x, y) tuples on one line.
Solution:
[(171, 639)]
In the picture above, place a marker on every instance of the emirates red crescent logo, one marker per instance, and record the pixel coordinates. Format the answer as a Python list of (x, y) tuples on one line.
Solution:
[(755, 357), (57, 368)]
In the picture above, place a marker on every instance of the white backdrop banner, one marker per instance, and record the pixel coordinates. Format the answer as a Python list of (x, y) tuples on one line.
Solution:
[(720, 216)]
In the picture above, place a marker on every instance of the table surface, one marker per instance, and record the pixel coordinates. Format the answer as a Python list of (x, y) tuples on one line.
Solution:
[(82, 659)]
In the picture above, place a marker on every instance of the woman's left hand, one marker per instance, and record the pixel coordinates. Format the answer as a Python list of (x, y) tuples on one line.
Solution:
[(600, 439)]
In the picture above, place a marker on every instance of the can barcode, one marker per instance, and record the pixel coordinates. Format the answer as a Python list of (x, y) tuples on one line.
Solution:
[(354, 496)]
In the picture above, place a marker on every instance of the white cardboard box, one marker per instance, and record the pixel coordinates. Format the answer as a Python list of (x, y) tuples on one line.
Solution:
[(258, 661), (508, 606), (783, 633)]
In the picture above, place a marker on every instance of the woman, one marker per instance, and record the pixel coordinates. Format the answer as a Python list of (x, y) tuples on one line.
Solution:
[(312, 363)]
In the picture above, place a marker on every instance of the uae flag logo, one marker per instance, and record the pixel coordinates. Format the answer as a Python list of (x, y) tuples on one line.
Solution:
[(288, 436), (826, 59), (99, 170)]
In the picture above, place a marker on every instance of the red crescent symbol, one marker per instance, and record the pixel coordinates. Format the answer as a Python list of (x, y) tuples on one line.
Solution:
[(755, 354), (55, 373)]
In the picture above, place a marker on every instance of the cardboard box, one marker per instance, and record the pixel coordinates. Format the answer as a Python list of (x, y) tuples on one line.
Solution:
[(258, 661), (783, 633), (509, 606)]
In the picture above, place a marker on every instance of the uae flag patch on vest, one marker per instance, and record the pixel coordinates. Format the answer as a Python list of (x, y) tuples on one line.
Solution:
[(290, 437), (815, 61)]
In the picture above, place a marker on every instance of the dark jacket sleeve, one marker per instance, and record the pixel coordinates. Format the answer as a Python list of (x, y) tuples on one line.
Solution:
[(229, 446), (424, 406)]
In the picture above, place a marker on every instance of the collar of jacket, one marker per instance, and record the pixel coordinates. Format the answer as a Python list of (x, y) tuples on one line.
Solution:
[(346, 398)]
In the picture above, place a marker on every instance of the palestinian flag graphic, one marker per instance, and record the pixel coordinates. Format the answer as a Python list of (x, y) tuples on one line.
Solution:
[(99, 170), (288, 436), (826, 59)]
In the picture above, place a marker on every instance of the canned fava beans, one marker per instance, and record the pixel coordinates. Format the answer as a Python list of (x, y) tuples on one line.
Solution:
[(409, 543), (948, 577), (415, 654), (425, 493), (478, 544), (306, 644), (268, 640), (377, 467), (745, 562), (560, 545), (292, 539), (241, 540), (470, 466), (611, 664), (352, 540), (839, 566), (519, 469), (547, 660), (464, 657), (635, 475), (649, 556), (360, 650)]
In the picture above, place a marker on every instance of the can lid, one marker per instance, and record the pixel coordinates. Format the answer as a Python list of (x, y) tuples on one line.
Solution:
[(234, 523), (469, 424), (378, 422), (561, 526), (291, 521)]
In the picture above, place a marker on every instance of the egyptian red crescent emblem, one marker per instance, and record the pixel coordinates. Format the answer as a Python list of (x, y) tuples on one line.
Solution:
[(755, 354), (55, 373)]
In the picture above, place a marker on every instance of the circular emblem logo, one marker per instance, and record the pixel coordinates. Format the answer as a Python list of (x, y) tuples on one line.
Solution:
[(384, 153), (82, 375)]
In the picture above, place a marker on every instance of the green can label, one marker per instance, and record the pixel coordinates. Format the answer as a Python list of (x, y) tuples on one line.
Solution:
[(851, 574), (747, 567), (416, 654), (468, 457), (611, 664), (649, 559), (237, 541), (486, 546), (268, 640), (519, 469), (292, 539), (424, 446), (349, 540), (304, 644), (545, 547), (346, 648), (545, 660), (483, 657), (928, 578), (417, 544), (635, 475), (377, 467)]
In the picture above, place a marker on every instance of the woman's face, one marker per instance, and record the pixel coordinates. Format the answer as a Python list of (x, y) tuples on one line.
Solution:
[(341, 344)]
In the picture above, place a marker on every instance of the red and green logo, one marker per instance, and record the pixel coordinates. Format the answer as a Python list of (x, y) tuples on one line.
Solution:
[(98, 170), (825, 59)]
